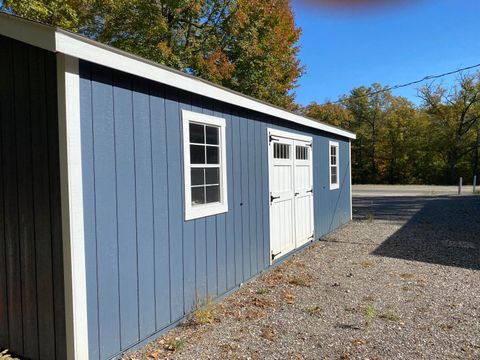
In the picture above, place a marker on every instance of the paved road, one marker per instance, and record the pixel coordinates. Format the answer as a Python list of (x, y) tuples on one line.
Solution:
[(408, 190)]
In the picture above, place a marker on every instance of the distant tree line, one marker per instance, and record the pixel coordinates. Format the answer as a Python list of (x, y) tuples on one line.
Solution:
[(251, 46), (398, 142)]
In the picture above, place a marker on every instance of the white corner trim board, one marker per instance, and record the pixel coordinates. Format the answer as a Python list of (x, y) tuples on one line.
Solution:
[(68, 84), (74, 45)]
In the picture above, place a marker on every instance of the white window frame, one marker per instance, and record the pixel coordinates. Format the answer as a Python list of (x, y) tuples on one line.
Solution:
[(333, 186), (199, 211)]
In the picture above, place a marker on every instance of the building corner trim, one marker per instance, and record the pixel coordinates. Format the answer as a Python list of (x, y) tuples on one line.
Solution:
[(68, 89)]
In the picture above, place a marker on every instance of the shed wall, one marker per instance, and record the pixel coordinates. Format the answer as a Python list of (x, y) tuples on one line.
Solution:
[(32, 320), (147, 267)]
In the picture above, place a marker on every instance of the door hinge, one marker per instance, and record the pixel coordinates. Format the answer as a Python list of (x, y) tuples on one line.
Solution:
[(311, 238), (272, 138), (273, 198), (275, 255)]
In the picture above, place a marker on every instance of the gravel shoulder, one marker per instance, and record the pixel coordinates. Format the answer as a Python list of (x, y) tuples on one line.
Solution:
[(401, 281)]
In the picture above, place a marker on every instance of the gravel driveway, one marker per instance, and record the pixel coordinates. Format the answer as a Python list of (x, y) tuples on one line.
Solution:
[(401, 281)]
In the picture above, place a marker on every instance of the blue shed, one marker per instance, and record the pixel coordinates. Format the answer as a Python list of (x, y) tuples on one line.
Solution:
[(130, 193)]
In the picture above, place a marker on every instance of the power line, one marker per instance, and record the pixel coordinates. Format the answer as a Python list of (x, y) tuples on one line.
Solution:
[(399, 86)]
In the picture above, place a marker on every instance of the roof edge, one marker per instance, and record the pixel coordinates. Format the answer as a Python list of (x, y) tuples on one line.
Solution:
[(71, 44)]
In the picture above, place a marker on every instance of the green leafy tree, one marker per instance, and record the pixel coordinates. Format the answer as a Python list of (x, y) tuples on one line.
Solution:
[(247, 45)]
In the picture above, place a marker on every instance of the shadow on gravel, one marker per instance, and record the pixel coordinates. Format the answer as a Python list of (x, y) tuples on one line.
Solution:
[(439, 230)]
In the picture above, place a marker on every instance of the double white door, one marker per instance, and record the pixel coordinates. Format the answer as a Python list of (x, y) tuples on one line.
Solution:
[(291, 191)]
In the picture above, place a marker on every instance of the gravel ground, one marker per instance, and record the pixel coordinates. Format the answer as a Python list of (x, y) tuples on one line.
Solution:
[(401, 281)]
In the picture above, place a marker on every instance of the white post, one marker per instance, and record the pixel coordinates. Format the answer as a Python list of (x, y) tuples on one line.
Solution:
[(475, 184), (460, 182)]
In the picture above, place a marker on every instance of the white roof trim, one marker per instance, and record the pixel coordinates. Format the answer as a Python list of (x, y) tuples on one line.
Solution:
[(80, 47)]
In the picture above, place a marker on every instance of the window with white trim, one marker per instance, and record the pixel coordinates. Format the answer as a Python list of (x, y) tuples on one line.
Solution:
[(205, 165), (333, 162)]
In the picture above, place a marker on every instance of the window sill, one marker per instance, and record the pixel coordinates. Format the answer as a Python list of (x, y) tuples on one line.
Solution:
[(197, 212)]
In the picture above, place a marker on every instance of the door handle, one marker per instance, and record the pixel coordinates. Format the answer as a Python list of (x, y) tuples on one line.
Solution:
[(297, 194), (310, 191), (273, 198)]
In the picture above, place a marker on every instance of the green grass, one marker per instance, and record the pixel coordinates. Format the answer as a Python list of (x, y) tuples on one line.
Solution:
[(302, 281), (174, 345), (390, 316), (262, 291), (369, 314)]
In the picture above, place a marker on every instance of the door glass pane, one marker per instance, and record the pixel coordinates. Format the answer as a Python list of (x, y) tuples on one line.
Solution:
[(197, 176), (212, 135), (213, 194), (198, 195), (212, 176), (197, 154), (197, 133), (212, 155)]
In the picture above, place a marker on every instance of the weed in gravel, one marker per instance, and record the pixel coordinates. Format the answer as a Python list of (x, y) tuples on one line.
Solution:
[(205, 314), (262, 291), (288, 297), (300, 280), (313, 310), (390, 316), (370, 217), (359, 342), (369, 314), (268, 333), (366, 264), (261, 303), (407, 276), (174, 345)]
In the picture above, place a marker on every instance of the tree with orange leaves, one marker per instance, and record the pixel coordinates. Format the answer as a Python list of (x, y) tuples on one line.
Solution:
[(247, 45)]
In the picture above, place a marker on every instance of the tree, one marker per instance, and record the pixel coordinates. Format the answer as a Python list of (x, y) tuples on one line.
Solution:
[(454, 114), (247, 45), (330, 113)]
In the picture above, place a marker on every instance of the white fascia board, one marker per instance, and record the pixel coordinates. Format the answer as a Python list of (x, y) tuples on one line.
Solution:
[(85, 49), (29, 32)]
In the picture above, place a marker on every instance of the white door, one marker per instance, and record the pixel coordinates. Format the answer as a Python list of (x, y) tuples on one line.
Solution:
[(291, 191), (303, 192)]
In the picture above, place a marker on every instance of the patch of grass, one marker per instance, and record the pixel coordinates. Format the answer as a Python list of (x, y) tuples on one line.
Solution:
[(262, 303), (313, 310), (366, 264), (369, 314), (370, 217), (205, 314), (297, 280), (390, 316), (174, 345), (262, 291), (268, 333), (407, 276), (4, 355)]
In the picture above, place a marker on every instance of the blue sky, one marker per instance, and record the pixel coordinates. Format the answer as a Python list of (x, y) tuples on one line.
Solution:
[(343, 49)]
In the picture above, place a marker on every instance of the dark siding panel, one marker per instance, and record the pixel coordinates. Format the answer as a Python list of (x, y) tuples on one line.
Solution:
[(25, 202), (244, 145), (55, 205), (89, 211), (143, 175), (252, 206), (237, 198), (5, 113), (126, 205), (31, 259), (46, 330), (105, 205), (189, 261), (160, 210), (175, 214), (230, 217)]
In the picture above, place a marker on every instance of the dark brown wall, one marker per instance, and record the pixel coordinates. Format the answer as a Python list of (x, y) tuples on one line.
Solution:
[(32, 317)]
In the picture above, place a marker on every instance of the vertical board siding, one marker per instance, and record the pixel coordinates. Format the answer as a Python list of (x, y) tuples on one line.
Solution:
[(32, 319), (161, 267)]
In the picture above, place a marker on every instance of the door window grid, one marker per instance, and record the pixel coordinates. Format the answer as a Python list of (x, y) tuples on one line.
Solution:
[(301, 152), (281, 151)]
